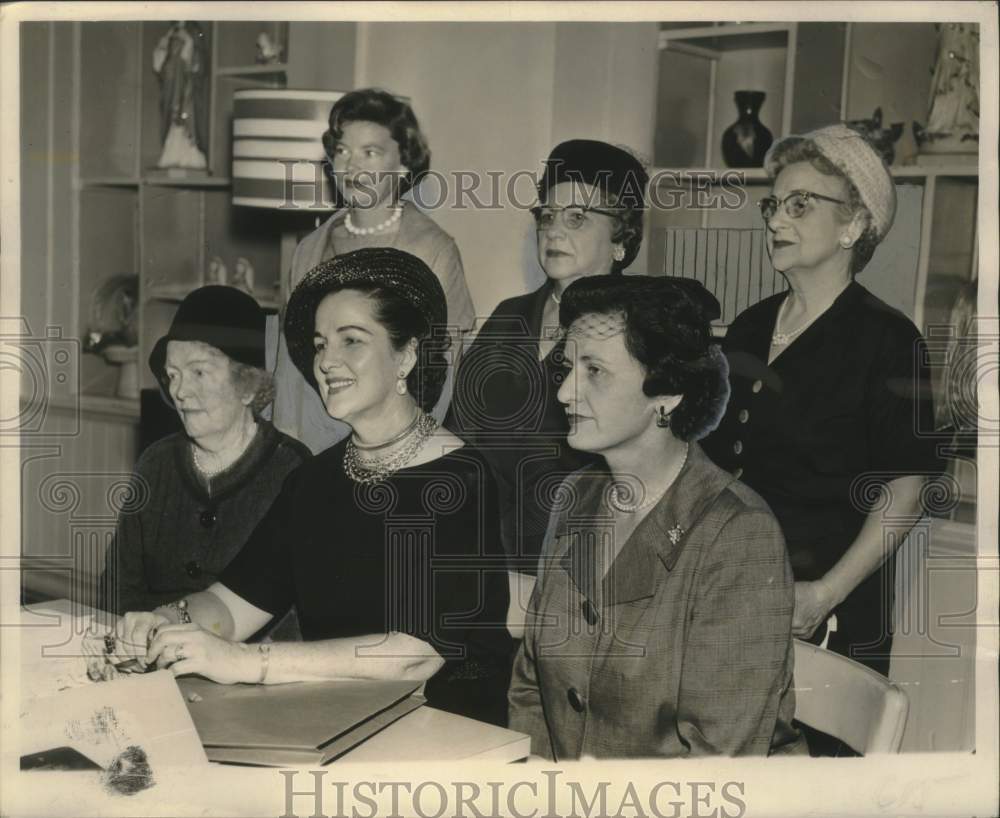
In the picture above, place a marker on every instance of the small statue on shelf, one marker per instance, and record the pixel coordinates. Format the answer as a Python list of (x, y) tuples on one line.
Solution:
[(243, 275), (953, 119), (181, 62), (268, 51), (217, 273), (883, 139)]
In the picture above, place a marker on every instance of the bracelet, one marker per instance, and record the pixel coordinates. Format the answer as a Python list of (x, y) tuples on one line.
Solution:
[(265, 654), (181, 606)]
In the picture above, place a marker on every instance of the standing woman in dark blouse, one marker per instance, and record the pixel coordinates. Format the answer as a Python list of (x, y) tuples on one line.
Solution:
[(830, 392), (589, 222), (386, 543)]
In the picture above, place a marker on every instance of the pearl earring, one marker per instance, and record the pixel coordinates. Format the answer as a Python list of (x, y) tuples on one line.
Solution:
[(618, 254), (401, 382), (846, 242)]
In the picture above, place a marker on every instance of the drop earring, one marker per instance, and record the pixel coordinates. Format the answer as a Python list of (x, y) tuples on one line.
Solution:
[(618, 253), (663, 418), (401, 382)]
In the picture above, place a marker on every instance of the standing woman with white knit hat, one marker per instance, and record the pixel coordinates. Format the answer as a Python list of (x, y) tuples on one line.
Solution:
[(830, 390)]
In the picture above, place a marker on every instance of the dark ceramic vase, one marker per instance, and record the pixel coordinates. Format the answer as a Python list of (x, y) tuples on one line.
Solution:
[(745, 142)]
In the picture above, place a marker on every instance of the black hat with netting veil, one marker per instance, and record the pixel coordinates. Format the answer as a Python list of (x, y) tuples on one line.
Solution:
[(401, 273), (667, 324)]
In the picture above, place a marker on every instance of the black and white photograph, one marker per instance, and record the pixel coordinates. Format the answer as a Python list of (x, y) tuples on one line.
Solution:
[(524, 409)]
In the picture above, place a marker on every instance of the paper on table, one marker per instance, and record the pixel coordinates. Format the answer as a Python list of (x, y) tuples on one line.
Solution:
[(140, 716), (52, 656)]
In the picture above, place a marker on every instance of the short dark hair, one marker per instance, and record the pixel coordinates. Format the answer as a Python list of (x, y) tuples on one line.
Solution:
[(802, 149), (404, 322), (668, 331), (396, 116)]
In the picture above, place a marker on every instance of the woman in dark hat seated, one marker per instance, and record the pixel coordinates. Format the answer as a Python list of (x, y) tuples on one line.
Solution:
[(588, 222), (660, 624), (387, 542), (198, 494)]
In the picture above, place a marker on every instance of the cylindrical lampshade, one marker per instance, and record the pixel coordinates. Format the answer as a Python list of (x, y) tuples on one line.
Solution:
[(278, 148)]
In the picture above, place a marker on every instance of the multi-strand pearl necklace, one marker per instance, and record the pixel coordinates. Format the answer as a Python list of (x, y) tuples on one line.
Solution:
[(629, 508), (375, 470), (354, 230)]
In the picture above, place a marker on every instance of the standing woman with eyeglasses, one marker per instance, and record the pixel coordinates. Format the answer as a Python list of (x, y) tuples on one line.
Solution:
[(591, 198), (376, 153), (830, 391)]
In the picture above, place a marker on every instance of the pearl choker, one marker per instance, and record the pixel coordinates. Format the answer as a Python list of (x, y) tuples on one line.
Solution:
[(628, 508), (351, 228)]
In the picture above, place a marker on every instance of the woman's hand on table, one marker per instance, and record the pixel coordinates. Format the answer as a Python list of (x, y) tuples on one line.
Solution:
[(813, 603), (189, 648), (123, 648)]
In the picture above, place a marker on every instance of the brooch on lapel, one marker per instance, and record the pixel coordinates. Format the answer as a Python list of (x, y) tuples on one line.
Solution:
[(675, 534)]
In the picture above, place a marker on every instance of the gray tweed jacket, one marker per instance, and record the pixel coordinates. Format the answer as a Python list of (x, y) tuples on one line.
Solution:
[(682, 648)]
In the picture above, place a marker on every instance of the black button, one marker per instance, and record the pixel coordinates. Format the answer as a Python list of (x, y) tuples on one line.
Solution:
[(208, 517), (193, 569), (589, 612), (575, 700)]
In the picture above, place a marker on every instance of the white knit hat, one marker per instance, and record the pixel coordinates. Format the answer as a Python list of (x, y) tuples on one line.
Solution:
[(853, 156)]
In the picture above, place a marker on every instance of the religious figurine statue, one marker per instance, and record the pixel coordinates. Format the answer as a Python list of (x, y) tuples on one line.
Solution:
[(181, 62), (268, 51), (953, 121)]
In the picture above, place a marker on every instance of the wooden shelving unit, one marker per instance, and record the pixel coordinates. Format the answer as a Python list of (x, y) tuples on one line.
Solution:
[(813, 74), (137, 218)]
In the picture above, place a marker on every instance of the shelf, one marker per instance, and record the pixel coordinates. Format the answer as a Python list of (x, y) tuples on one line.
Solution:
[(759, 175), (666, 175), (922, 171), (95, 405), (711, 42), (175, 293), (188, 181), (109, 181), (271, 69)]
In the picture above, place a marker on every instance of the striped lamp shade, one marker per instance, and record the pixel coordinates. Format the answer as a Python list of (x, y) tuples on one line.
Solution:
[(278, 148)]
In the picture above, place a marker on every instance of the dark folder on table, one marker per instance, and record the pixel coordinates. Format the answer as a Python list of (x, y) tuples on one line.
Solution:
[(299, 723)]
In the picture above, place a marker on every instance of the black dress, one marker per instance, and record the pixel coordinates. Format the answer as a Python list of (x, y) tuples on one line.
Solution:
[(505, 404), (844, 408), (417, 554)]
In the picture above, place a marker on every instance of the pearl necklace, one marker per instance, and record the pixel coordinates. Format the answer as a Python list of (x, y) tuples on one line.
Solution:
[(351, 228), (628, 508), (208, 472), (780, 339)]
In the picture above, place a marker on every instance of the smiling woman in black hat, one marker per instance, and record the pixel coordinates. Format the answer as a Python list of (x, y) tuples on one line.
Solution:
[(588, 222), (197, 495), (386, 543)]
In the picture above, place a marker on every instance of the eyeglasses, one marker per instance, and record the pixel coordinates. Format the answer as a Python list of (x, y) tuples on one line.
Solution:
[(796, 204), (572, 218)]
